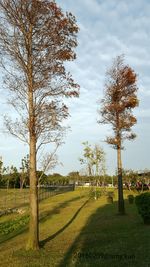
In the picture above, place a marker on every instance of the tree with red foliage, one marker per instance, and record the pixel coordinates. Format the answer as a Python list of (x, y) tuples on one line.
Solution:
[(36, 38), (120, 97)]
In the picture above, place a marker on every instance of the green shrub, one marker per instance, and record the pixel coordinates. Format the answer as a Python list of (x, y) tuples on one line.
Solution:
[(143, 204), (13, 225), (131, 199)]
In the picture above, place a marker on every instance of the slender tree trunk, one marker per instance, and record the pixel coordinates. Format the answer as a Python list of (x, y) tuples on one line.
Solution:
[(121, 208), (33, 240), (97, 169), (89, 169)]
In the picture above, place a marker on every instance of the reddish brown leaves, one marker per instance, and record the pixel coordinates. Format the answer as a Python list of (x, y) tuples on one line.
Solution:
[(119, 100), (72, 94), (129, 75)]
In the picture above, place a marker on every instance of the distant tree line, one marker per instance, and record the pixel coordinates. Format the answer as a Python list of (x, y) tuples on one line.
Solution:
[(14, 178)]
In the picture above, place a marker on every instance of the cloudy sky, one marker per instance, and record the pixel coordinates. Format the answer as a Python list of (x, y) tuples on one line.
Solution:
[(107, 29)]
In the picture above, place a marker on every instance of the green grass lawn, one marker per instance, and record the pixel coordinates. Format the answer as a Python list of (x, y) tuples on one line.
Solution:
[(77, 232)]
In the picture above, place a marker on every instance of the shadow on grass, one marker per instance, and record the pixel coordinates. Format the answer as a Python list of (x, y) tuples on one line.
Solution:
[(43, 242), (109, 239), (56, 210), (14, 234), (43, 217)]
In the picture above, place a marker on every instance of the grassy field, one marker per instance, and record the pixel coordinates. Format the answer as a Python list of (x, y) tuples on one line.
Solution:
[(75, 231)]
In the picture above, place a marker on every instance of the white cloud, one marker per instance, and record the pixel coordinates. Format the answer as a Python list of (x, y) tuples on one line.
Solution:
[(107, 28)]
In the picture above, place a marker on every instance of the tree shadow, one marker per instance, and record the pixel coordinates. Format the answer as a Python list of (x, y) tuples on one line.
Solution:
[(57, 209), (109, 239), (14, 234), (42, 218), (43, 242)]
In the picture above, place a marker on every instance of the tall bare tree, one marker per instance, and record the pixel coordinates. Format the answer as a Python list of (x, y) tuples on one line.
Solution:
[(87, 157), (120, 97), (49, 161), (36, 38)]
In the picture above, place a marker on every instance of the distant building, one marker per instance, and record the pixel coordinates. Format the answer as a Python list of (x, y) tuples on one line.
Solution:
[(81, 183)]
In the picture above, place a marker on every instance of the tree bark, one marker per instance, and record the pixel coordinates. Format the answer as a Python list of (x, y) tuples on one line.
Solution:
[(89, 169), (121, 208), (33, 240)]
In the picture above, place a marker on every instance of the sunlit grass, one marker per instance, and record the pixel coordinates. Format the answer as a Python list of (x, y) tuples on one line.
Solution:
[(71, 229)]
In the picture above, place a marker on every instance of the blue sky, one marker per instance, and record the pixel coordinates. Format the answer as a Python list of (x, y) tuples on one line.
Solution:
[(107, 28)]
